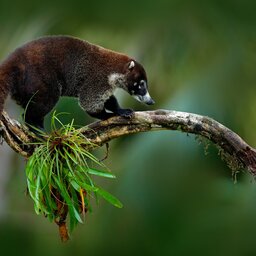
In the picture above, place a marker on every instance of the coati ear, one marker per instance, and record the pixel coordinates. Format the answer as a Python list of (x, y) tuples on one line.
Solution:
[(131, 65)]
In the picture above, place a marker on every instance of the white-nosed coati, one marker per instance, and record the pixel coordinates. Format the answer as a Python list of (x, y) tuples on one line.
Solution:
[(39, 72)]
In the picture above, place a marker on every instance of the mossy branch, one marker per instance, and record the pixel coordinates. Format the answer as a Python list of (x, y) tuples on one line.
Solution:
[(237, 153)]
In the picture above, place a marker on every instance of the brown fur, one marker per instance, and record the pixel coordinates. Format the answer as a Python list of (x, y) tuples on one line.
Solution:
[(41, 71)]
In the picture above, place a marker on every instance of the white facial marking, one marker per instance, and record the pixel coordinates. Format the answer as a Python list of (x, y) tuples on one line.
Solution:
[(131, 65), (135, 84)]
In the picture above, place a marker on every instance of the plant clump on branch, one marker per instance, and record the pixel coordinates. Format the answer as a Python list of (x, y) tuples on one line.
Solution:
[(60, 177)]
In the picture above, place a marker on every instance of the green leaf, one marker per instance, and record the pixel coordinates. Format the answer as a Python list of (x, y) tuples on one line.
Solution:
[(77, 215), (110, 198), (101, 173), (74, 218), (75, 185), (70, 156)]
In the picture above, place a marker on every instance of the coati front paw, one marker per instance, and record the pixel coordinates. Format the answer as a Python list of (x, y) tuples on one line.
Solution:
[(127, 113)]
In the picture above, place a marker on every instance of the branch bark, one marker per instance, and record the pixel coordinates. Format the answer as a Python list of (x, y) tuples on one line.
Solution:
[(237, 153)]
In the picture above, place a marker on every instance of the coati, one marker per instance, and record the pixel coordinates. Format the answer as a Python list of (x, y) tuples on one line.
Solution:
[(39, 72)]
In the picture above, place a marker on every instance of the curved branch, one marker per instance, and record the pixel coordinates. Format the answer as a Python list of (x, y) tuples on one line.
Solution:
[(233, 149)]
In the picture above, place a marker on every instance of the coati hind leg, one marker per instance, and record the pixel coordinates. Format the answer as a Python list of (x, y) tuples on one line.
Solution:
[(34, 117), (38, 108)]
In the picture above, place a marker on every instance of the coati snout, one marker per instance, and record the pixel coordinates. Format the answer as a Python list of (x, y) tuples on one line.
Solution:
[(38, 73)]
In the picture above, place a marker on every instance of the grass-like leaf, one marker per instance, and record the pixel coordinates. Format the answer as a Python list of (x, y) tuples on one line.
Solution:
[(60, 175), (101, 173)]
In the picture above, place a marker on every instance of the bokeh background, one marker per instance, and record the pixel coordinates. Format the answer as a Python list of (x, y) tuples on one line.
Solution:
[(200, 57)]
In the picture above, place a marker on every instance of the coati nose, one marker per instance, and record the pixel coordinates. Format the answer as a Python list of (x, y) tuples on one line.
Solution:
[(147, 99), (150, 102)]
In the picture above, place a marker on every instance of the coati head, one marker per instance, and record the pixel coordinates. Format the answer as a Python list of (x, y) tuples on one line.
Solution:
[(133, 79), (137, 85)]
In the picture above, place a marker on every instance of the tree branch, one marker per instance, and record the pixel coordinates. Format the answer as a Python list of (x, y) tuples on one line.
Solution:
[(233, 149)]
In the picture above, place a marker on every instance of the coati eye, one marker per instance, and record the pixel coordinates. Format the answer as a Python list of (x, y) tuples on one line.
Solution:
[(143, 84), (135, 84)]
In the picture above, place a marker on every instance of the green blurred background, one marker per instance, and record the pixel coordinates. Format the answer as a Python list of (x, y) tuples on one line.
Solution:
[(200, 57)]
